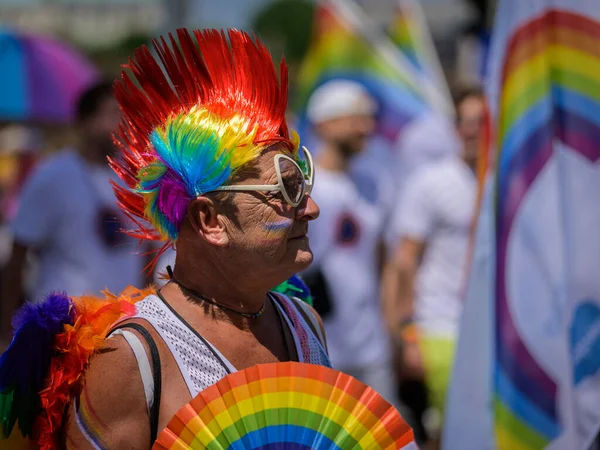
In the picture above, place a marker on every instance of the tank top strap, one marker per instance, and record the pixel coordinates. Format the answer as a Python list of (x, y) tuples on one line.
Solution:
[(312, 349), (200, 363)]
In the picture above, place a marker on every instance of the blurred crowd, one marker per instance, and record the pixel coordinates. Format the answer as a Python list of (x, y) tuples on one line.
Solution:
[(390, 247)]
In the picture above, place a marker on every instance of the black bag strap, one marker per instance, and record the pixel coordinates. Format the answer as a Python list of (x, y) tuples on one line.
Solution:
[(156, 375)]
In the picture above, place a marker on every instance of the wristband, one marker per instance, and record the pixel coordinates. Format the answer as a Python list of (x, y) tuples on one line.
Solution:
[(409, 333), (406, 322)]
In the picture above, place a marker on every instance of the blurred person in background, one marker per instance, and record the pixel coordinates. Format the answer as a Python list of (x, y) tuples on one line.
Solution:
[(347, 238), (423, 281), (19, 147), (68, 217), (427, 139)]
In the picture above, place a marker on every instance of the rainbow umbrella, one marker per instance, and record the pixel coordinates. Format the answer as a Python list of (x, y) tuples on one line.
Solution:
[(41, 78)]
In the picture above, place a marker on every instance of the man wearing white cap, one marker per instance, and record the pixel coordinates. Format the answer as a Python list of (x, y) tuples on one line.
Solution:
[(346, 239)]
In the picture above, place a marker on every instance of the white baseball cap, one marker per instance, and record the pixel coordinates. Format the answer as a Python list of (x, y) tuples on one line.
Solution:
[(339, 98)]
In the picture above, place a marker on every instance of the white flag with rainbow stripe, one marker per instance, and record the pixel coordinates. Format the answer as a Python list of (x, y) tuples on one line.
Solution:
[(540, 387)]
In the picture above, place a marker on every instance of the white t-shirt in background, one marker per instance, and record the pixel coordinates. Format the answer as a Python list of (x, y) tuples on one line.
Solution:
[(345, 240), (424, 141), (59, 217), (437, 207)]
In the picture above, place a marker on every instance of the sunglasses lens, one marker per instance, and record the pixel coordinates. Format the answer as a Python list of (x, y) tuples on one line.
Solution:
[(293, 180)]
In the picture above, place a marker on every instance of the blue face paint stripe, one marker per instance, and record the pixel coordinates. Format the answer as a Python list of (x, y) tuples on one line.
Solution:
[(276, 226)]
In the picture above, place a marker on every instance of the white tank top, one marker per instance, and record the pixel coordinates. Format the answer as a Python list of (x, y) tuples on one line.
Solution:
[(199, 362)]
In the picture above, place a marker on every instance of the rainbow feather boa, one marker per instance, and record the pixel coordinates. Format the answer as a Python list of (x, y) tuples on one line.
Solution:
[(42, 369)]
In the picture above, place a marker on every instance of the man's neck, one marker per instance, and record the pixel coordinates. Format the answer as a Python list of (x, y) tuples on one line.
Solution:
[(332, 159), (224, 290)]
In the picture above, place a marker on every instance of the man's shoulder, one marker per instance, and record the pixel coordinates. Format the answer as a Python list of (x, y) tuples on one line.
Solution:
[(437, 173), (54, 168), (113, 391)]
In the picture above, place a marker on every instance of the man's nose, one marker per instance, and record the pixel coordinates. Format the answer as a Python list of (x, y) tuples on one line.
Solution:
[(308, 209)]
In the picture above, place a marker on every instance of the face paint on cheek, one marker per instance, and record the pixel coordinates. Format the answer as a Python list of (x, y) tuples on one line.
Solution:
[(275, 230)]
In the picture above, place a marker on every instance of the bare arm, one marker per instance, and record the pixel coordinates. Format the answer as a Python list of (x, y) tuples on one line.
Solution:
[(382, 256), (111, 407), (12, 289), (399, 283)]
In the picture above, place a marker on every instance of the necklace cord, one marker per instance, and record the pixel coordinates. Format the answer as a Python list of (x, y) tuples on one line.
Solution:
[(199, 296)]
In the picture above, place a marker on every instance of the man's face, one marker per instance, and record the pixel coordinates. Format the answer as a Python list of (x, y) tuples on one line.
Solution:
[(349, 134), (98, 128), (265, 232), (470, 124)]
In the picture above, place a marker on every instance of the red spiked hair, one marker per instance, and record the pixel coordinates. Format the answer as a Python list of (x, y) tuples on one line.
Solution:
[(227, 73)]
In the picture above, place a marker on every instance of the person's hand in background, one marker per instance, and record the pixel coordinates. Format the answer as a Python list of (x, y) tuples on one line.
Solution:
[(409, 362)]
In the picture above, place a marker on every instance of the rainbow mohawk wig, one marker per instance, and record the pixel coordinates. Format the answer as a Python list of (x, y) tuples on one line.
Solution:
[(189, 123)]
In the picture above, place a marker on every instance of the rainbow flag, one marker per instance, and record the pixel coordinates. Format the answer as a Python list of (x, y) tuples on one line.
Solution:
[(407, 34), (344, 47), (410, 33), (544, 287)]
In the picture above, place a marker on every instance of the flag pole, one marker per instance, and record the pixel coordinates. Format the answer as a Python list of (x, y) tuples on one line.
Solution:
[(358, 19), (433, 58)]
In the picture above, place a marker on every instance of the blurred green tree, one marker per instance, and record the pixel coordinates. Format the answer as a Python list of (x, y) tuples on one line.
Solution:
[(286, 27), (110, 59)]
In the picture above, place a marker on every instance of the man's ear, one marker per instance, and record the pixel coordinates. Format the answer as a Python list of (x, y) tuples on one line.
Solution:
[(204, 218)]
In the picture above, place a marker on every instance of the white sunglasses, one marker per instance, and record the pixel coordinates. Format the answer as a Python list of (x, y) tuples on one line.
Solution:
[(293, 188)]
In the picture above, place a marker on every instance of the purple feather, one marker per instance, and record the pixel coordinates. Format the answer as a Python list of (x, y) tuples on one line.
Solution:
[(49, 314), (173, 199), (25, 364)]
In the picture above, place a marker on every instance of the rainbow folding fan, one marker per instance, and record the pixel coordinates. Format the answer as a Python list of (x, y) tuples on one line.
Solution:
[(287, 406)]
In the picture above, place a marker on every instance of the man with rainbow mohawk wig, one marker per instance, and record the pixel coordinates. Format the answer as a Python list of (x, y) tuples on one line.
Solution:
[(212, 169)]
